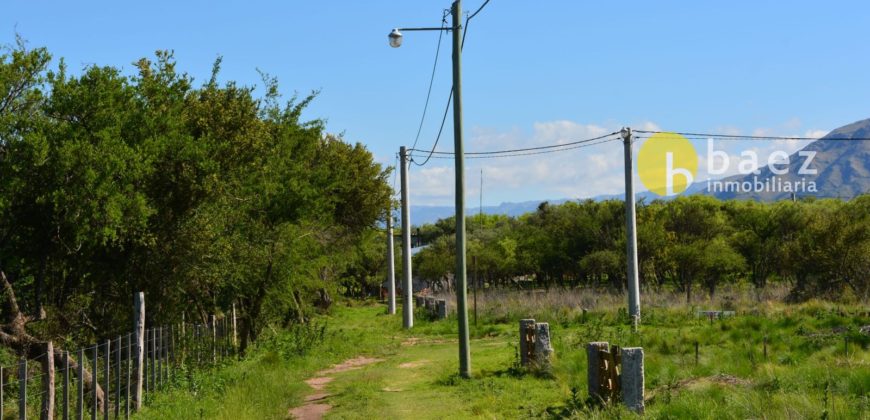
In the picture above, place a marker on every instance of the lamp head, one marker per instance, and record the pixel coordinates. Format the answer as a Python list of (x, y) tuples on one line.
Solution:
[(395, 38)]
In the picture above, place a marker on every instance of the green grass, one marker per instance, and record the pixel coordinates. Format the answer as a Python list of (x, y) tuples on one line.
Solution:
[(806, 373)]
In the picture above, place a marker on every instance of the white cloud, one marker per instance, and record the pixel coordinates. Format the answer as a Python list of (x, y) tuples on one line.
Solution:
[(578, 173)]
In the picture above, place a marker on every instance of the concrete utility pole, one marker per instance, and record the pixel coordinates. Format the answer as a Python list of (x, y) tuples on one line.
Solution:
[(391, 265), (395, 38), (461, 275), (407, 284), (631, 231)]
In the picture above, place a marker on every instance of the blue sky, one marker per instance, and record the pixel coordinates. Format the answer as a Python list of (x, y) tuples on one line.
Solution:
[(533, 72)]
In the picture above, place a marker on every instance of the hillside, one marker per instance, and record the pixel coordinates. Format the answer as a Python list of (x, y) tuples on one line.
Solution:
[(842, 161)]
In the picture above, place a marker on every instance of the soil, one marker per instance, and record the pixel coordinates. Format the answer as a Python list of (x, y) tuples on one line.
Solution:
[(316, 404)]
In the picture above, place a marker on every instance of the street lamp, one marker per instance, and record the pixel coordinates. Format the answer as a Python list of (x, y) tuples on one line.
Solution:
[(395, 38)]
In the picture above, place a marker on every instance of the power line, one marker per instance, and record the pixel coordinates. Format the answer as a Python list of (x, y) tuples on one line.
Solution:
[(449, 97), (431, 79), (701, 136), (552, 146), (476, 12), (542, 152)]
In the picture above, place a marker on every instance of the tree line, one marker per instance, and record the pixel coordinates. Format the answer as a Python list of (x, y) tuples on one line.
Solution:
[(692, 244), (202, 196)]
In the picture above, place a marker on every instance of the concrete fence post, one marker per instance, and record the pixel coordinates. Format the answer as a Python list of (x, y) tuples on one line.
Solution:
[(441, 305), (632, 378), (543, 349)]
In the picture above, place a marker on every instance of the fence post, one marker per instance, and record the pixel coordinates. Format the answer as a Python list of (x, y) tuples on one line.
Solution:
[(159, 358), (171, 353), (525, 325), (593, 361), (2, 406), (196, 342), (95, 368), (22, 389), (213, 340), (139, 330), (153, 361), (632, 378), (66, 385), (118, 377), (107, 359), (145, 379), (129, 376), (234, 326), (48, 383), (80, 392), (543, 349)]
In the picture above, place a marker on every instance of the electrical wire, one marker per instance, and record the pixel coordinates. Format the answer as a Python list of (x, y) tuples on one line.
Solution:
[(578, 146), (450, 97), (701, 136), (395, 169), (564, 146), (431, 78)]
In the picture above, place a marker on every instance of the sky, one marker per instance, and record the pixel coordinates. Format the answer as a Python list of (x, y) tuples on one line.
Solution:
[(534, 73)]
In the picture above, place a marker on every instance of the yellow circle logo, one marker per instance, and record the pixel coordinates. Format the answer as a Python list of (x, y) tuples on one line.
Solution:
[(667, 163)]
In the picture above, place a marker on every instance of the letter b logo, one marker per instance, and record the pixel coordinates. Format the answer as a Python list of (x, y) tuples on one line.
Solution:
[(667, 163)]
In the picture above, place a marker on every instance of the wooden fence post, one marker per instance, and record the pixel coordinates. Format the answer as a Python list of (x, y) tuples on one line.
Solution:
[(145, 363), (234, 327), (96, 373), (593, 382), (65, 385), (527, 333), (129, 375), (22, 389), (171, 353), (159, 357), (118, 348), (154, 360), (48, 383), (213, 340), (80, 392), (107, 360), (139, 331), (2, 406)]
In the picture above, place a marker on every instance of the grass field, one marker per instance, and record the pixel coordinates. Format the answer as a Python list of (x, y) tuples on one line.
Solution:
[(807, 373)]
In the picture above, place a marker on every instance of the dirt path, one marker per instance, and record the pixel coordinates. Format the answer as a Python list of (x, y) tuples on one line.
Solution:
[(316, 404)]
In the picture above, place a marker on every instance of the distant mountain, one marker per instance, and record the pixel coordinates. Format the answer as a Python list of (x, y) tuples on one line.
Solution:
[(842, 162)]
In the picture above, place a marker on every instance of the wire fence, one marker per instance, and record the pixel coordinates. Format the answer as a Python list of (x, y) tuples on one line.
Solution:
[(111, 379)]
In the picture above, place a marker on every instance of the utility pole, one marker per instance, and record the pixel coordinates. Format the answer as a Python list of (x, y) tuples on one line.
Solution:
[(461, 275), (407, 284), (391, 264), (631, 232)]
